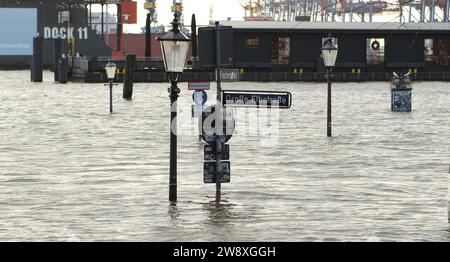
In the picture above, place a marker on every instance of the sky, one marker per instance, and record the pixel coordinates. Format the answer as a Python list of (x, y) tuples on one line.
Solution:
[(222, 10)]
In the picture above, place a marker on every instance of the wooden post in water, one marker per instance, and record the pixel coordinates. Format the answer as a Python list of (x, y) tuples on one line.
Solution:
[(128, 79), (36, 60), (62, 69), (57, 51), (194, 36), (148, 36)]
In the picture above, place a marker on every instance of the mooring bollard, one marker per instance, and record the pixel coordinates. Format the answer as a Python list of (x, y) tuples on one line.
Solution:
[(36, 60), (130, 60), (57, 51), (62, 69), (401, 93)]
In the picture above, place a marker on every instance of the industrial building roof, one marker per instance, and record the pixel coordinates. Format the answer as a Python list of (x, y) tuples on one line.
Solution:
[(337, 26)]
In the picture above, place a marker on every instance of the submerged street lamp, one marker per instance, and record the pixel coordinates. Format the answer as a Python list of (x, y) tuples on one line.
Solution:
[(329, 55), (174, 47), (110, 69)]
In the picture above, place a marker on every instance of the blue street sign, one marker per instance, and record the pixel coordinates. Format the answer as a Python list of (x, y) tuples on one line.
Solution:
[(199, 97)]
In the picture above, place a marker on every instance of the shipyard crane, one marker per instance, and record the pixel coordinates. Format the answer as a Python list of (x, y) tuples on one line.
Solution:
[(427, 10), (313, 10), (252, 8), (177, 7), (362, 8), (150, 6)]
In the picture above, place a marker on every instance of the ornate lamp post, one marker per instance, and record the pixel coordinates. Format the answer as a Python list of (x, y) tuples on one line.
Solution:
[(329, 55), (110, 69), (174, 46)]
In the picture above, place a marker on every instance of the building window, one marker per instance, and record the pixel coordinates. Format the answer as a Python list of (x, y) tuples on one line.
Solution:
[(437, 51), (281, 50), (63, 16), (252, 43), (375, 51)]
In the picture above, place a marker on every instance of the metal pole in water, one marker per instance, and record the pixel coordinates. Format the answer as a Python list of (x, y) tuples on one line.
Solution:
[(329, 104), (174, 91), (218, 118), (110, 96)]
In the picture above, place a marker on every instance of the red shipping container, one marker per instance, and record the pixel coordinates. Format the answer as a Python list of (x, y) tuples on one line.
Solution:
[(129, 12)]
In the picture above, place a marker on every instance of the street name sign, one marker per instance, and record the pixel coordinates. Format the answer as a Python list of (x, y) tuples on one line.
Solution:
[(229, 75), (258, 99)]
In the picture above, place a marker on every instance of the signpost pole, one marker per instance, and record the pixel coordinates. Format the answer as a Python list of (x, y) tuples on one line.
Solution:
[(218, 118), (219, 84)]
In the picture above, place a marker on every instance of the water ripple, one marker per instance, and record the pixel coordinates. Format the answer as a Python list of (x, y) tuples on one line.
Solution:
[(70, 171)]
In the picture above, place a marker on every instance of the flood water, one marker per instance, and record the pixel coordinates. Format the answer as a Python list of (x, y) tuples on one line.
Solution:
[(70, 171)]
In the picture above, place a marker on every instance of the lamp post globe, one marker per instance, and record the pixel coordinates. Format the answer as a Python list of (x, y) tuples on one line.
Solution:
[(329, 52), (174, 48), (110, 69)]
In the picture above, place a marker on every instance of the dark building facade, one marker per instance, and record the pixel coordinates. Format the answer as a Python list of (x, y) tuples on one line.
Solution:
[(67, 19), (296, 47)]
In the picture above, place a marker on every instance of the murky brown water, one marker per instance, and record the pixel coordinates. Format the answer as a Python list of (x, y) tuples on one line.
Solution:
[(71, 171)]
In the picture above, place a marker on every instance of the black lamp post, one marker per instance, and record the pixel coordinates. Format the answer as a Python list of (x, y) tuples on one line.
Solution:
[(329, 55), (110, 69), (174, 46)]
